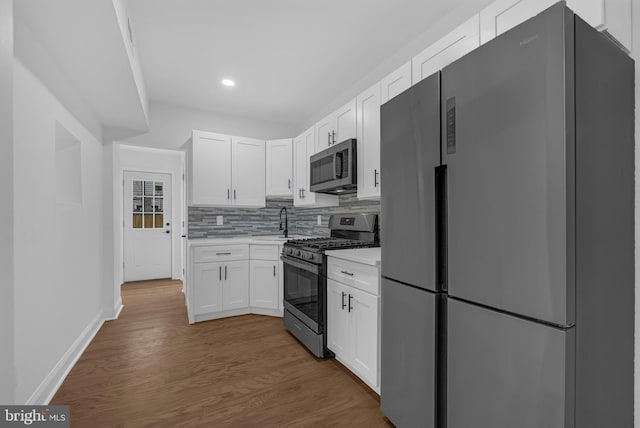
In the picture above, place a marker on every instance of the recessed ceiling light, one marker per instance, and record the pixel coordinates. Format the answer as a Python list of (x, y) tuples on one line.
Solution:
[(228, 82)]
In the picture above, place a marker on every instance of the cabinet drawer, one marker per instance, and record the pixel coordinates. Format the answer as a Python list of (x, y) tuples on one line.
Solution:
[(363, 277), (216, 253), (264, 252)]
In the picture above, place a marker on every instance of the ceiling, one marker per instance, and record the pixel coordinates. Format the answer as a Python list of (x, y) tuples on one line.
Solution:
[(289, 58)]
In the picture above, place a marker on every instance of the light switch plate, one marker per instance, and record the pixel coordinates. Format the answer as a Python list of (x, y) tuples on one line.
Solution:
[(219, 220), (319, 220)]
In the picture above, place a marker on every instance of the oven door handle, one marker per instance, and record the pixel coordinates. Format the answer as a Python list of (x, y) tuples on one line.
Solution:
[(309, 267)]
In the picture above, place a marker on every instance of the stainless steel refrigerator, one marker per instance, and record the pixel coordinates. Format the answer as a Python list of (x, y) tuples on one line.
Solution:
[(507, 233)]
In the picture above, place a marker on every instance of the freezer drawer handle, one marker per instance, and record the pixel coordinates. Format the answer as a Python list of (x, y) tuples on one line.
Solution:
[(343, 304), (346, 273), (350, 307)]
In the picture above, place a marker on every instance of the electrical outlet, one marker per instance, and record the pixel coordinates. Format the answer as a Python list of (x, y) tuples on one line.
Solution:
[(319, 220), (219, 220)]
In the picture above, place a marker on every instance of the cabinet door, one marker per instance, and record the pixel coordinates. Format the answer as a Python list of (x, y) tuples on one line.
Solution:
[(502, 15), (324, 133), (345, 122), (279, 168), (395, 83), (338, 320), (210, 169), (263, 284), (300, 165), (363, 311), (248, 172), (207, 287), (454, 45), (368, 140), (280, 282), (235, 286)]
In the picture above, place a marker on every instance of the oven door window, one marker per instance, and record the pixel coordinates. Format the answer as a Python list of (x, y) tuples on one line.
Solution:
[(301, 290)]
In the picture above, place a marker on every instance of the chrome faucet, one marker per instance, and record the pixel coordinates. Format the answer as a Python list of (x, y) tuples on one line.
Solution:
[(286, 222)]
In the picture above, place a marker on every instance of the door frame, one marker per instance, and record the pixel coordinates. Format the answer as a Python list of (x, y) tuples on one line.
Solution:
[(177, 219)]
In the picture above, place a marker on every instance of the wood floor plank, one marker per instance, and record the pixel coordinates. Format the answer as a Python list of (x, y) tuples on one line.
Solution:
[(150, 368)]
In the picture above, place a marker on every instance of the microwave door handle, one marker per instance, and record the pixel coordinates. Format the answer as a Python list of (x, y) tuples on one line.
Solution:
[(337, 172)]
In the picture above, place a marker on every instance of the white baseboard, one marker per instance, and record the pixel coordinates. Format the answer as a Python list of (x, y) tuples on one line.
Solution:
[(49, 386)]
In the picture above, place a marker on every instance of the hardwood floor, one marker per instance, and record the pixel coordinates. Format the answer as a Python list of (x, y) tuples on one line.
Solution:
[(151, 368)]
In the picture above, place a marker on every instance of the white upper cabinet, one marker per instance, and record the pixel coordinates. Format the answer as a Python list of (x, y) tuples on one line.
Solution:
[(209, 160), (502, 15), (303, 146), (611, 16), (368, 138), (395, 83), (337, 127), (247, 171), (279, 168), (454, 45), (226, 170)]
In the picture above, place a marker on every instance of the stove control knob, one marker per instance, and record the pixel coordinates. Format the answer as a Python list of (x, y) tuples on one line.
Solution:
[(311, 257), (298, 253)]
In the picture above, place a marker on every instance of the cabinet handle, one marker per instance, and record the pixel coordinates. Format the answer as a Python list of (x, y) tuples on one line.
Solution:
[(234, 194), (375, 178), (346, 273), (228, 195), (333, 134), (225, 272), (328, 138), (350, 307), (343, 305), (274, 270), (223, 254), (289, 184), (220, 272), (303, 193)]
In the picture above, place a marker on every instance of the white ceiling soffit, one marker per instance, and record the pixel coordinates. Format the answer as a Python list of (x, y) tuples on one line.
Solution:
[(289, 58), (82, 41)]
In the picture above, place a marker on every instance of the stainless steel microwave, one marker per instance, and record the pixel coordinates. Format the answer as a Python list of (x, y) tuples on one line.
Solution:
[(333, 170)]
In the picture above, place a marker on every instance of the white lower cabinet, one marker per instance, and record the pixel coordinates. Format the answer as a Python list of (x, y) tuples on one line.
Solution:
[(219, 287), (207, 288), (264, 284), (235, 285), (353, 315)]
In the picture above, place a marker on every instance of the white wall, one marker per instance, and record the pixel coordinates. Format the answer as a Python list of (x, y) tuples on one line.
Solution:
[(7, 369), (171, 126), (132, 158), (31, 52), (58, 248)]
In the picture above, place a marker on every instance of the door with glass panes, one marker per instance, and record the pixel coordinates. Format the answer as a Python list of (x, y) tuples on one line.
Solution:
[(147, 226)]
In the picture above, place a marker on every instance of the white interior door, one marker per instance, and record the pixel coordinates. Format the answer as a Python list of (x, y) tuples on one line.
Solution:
[(147, 226)]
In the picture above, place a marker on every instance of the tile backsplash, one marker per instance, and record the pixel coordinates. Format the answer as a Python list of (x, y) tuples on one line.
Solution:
[(265, 221)]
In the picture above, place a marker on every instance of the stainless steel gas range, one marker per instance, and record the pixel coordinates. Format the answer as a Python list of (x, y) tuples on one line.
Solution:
[(305, 276)]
